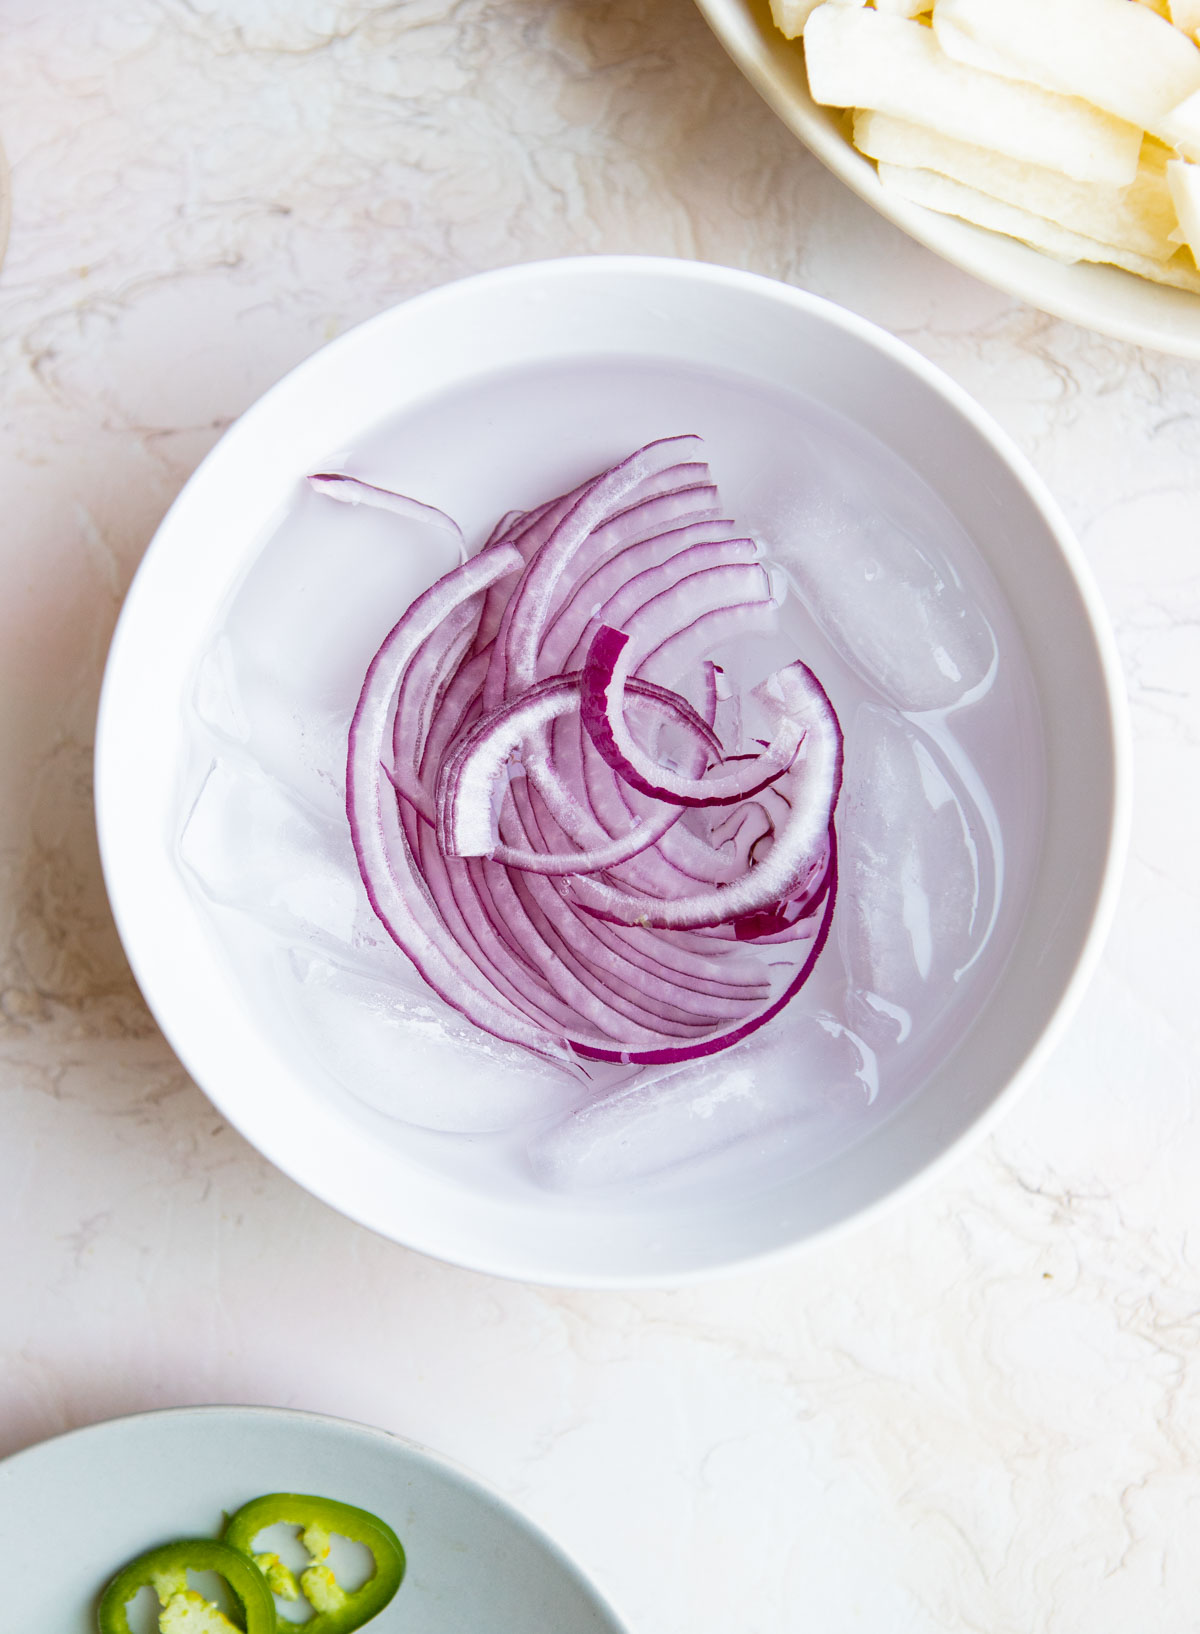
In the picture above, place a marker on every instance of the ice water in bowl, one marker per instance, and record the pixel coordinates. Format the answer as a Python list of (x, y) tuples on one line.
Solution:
[(938, 821)]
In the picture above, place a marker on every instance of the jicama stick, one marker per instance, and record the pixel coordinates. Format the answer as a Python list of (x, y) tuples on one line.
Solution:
[(1118, 57), (954, 199), (1138, 218), (867, 59)]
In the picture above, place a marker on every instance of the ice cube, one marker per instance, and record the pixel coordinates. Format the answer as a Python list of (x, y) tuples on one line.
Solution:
[(301, 746), (217, 696), (250, 845), (394, 1045), (810, 1071), (890, 601), (917, 876)]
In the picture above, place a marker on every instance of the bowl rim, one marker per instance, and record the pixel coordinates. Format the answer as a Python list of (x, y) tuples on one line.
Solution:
[(762, 54), (109, 792)]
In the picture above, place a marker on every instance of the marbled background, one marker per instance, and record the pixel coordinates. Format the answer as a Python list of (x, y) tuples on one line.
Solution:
[(980, 1414)]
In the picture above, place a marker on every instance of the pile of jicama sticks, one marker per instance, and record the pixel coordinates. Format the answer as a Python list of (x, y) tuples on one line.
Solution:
[(1073, 125)]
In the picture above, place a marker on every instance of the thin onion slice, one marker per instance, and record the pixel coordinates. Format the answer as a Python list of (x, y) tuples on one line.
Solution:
[(354, 491), (470, 778), (603, 691), (658, 1056), (799, 849)]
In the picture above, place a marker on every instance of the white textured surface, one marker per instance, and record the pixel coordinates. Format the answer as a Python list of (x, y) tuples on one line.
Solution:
[(982, 1414)]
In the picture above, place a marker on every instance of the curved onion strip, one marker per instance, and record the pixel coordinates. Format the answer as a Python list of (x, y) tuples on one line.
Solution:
[(597, 956), (504, 528), (722, 1041), (418, 700), (680, 861), (528, 533), (584, 797), (669, 977), (642, 578), (652, 532), (508, 948), (529, 607), (563, 977), (668, 960), (622, 545), (603, 710), (567, 942), (569, 628), (488, 920), (712, 694), (798, 844), (354, 491), (619, 849), (459, 706), (467, 787), (679, 983), (395, 886)]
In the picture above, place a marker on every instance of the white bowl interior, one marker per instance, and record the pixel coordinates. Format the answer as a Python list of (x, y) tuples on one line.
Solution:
[(1098, 297), (715, 323), (79, 1507)]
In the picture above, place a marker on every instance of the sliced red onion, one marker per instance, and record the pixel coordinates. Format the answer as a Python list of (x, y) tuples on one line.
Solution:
[(643, 474), (609, 594), (395, 885), (572, 853), (660, 1056), (603, 691), (637, 576), (354, 491), (470, 778), (798, 848)]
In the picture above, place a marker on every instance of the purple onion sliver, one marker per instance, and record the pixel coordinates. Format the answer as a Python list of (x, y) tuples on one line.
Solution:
[(349, 490), (722, 1041)]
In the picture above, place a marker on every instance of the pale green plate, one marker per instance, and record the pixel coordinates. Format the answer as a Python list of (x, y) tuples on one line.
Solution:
[(75, 1509)]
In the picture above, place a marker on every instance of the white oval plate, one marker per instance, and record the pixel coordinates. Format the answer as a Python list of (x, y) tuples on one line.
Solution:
[(77, 1508), (1102, 298)]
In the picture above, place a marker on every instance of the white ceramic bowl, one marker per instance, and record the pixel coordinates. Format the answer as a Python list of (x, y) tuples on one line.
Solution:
[(462, 1201), (1103, 298), (77, 1508)]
